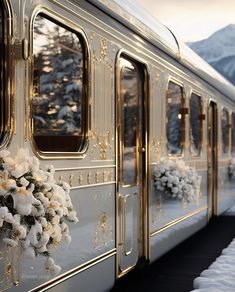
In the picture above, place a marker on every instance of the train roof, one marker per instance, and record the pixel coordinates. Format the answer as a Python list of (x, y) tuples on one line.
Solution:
[(136, 18)]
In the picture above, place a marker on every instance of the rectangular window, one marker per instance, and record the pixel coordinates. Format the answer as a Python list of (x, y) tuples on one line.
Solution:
[(59, 102), (195, 124), (225, 131), (175, 118), (233, 133)]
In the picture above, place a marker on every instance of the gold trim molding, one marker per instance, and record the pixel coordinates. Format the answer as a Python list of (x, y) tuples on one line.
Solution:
[(174, 222), (80, 178), (75, 271)]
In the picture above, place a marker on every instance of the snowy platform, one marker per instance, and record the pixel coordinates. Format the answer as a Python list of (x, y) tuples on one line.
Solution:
[(230, 212), (177, 270), (220, 276)]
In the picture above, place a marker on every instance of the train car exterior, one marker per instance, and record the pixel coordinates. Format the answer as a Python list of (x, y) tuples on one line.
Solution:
[(88, 87)]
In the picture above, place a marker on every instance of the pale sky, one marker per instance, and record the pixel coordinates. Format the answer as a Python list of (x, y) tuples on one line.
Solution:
[(192, 20)]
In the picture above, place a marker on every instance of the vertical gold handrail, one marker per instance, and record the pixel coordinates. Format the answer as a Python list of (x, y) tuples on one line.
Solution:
[(126, 251)]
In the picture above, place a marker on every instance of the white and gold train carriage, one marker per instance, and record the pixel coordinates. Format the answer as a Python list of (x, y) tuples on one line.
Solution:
[(102, 92)]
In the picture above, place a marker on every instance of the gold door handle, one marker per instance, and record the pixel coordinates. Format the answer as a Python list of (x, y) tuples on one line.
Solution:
[(126, 251)]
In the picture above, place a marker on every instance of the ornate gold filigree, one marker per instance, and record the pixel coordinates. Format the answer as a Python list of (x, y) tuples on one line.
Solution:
[(97, 176), (157, 77), (103, 48), (89, 178), (104, 231), (155, 146), (80, 178), (105, 176), (10, 266), (71, 180), (158, 207), (101, 138), (101, 142)]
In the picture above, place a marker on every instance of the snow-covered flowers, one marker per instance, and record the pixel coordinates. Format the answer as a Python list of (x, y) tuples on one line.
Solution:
[(176, 179), (33, 206)]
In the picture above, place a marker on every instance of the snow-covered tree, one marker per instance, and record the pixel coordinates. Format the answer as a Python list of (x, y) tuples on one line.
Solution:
[(58, 80)]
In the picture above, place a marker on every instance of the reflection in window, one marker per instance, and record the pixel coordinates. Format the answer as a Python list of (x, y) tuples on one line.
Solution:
[(58, 100), (233, 133), (130, 91), (175, 119), (195, 123), (225, 128)]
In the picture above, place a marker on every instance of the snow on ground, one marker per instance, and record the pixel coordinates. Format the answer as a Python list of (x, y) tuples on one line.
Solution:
[(220, 276), (231, 212)]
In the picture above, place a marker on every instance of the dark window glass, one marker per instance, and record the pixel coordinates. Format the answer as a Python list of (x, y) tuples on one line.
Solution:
[(3, 105), (233, 133), (225, 128), (175, 119), (131, 89), (58, 99), (195, 123), (1, 67)]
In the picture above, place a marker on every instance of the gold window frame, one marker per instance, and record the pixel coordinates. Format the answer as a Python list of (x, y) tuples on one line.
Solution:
[(233, 133), (228, 126), (8, 122), (183, 112), (201, 119), (66, 24)]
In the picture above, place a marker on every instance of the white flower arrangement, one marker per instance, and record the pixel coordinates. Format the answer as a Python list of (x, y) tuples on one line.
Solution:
[(33, 206), (176, 179), (231, 168)]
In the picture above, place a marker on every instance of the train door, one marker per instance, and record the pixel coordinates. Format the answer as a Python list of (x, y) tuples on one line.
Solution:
[(212, 158), (131, 162)]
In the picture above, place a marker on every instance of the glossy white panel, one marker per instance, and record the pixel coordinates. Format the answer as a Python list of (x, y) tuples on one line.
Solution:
[(170, 237), (98, 278), (92, 236), (164, 209), (226, 194)]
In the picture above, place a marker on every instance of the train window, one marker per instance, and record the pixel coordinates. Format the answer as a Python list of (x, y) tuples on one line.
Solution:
[(130, 92), (233, 133), (4, 116), (1, 69), (175, 118), (195, 124), (58, 98), (225, 130)]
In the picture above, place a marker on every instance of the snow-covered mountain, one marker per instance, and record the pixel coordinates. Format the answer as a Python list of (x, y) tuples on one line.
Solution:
[(219, 51)]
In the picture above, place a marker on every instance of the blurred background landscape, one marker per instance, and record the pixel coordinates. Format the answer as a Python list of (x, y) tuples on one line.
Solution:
[(207, 26), (219, 51)]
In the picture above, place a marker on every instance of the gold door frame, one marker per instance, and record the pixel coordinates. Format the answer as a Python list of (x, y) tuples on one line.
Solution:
[(145, 249), (212, 159)]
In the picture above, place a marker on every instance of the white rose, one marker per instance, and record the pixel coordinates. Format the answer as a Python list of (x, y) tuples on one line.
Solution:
[(52, 267), (175, 190)]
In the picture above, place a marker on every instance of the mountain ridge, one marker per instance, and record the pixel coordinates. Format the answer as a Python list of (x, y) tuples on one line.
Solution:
[(219, 51)]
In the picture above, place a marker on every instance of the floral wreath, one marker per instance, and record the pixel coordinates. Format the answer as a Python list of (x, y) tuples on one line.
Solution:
[(176, 179), (33, 206)]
